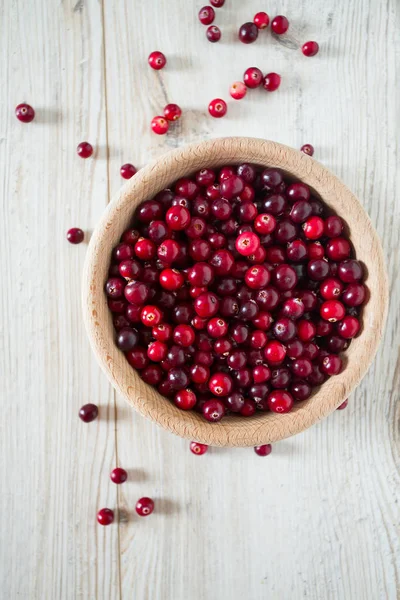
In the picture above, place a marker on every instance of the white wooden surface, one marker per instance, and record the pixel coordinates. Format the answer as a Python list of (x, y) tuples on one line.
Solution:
[(317, 519)]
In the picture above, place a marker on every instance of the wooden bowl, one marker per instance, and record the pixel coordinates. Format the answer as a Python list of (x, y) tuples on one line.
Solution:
[(263, 427)]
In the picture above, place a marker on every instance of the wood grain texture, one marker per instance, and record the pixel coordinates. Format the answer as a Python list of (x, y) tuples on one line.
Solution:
[(319, 518), (231, 431)]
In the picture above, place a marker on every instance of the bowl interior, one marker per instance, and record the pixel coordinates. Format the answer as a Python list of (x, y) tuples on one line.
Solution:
[(263, 427)]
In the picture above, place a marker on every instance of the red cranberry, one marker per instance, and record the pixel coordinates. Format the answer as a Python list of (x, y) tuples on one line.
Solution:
[(206, 15), (333, 226), (157, 351), (151, 315), (24, 113), (315, 250), (257, 277), (144, 507), (159, 125), (205, 177), (88, 413), (137, 358), (285, 277), (274, 352), (217, 3), (199, 373), (310, 48), (248, 409), (294, 349), (206, 305), (123, 252), (284, 329), (222, 347), (307, 149), (232, 186), (217, 108), (176, 356), (213, 410), (177, 218), (338, 249), (248, 33), (331, 288), (247, 243), (301, 367), (271, 82), (332, 310), (162, 332), (172, 112), (261, 19), (217, 327), (84, 150), (213, 33), (313, 228), (220, 384), (280, 25), (75, 235), (130, 236), (157, 60), (306, 330), (200, 250), (343, 405), (349, 327), (183, 335), (197, 448), (234, 402), (309, 299), (331, 364), (178, 378), (222, 261), (300, 211), (263, 450), (261, 374), (115, 287), (350, 271), (105, 516), (280, 401), (185, 399), (118, 475), (238, 90), (171, 279), (127, 171), (145, 249), (293, 308), (253, 77)]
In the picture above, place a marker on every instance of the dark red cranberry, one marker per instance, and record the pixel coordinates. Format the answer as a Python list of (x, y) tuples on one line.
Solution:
[(118, 475), (300, 390), (199, 373), (309, 299), (294, 349), (300, 211), (75, 235), (338, 249), (123, 252), (178, 378), (127, 171), (324, 328), (316, 377), (331, 364), (285, 277), (318, 269), (248, 409), (284, 329), (333, 226), (268, 299), (350, 271), (205, 177), (343, 405), (115, 287), (24, 113), (105, 516), (84, 150), (127, 339), (301, 367), (88, 413), (354, 294), (263, 450), (248, 33), (200, 250), (349, 327), (261, 374), (306, 330), (293, 308), (206, 305), (234, 402), (206, 15), (307, 149), (222, 261), (248, 310), (197, 448), (252, 78), (144, 507), (280, 25)]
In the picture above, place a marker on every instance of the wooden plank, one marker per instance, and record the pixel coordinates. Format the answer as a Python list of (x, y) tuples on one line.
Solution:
[(55, 468), (317, 518)]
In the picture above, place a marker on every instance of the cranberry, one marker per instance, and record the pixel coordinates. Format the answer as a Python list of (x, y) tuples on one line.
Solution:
[(185, 399), (183, 335), (213, 410), (285, 277), (247, 243), (217, 3), (127, 338), (162, 332), (200, 250), (332, 311), (306, 330), (263, 450), (301, 367), (115, 287), (280, 25), (307, 149), (127, 171), (313, 228), (220, 384), (123, 252), (331, 288), (300, 390), (24, 113), (238, 90), (144, 507), (206, 15), (75, 235), (88, 413), (176, 356), (293, 308), (284, 329), (222, 261), (230, 187), (261, 19), (157, 60), (213, 33), (343, 405), (118, 475), (242, 378), (248, 409), (349, 327), (280, 401), (275, 204), (217, 108), (333, 226), (159, 125), (354, 294), (172, 112), (338, 249), (217, 327), (257, 277), (310, 48), (197, 448), (253, 77), (271, 82), (274, 352), (84, 150), (105, 516), (145, 249), (248, 33), (178, 378), (130, 236), (199, 374), (171, 279), (234, 402), (350, 271), (206, 305), (331, 364), (318, 269)]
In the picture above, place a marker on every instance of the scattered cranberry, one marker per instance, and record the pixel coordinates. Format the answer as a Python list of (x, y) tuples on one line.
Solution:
[(280, 25), (248, 33), (172, 112), (105, 516), (197, 448), (217, 3), (217, 108), (213, 33), (84, 150), (310, 48), (159, 125), (206, 15), (24, 113), (343, 405), (75, 235), (307, 149), (157, 60), (88, 413), (238, 90), (253, 77), (263, 450), (271, 82), (127, 171), (261, 19), (144, 507), (118, 475)]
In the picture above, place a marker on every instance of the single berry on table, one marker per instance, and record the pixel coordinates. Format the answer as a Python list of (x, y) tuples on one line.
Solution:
[(263, 450), (238, 90), (105, 516), (307, 149), (24, 113), (144, 507), (206, 15), (157, 60), (118, 475), (75, 235), (217, 108), (261, 19), (248, 33), (271, 82), (253, 77), (84, 149), (310, 48), (280, 25), (172, 112), (127, 171), (88, 413), (197, 448), (159, 125), (213, 33)]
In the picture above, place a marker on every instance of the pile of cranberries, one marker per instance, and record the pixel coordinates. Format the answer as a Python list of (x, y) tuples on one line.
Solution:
[(235, 291)]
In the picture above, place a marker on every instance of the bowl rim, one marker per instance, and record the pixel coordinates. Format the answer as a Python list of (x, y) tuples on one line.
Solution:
[(159, 174)]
